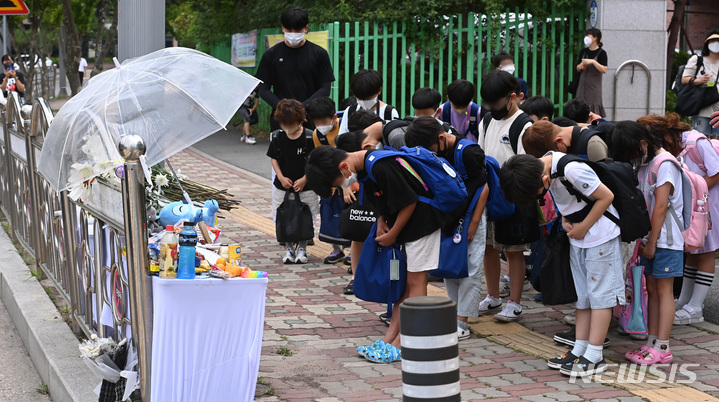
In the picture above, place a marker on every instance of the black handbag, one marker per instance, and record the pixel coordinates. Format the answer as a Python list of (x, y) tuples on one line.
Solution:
[(556, 279), (294, 220), (573, 86), (356, 221), (692, 99), (520, 228), (254, 118)]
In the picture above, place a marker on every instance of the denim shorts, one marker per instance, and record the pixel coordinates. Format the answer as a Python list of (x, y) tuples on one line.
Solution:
[(665, 264), (598, 275)]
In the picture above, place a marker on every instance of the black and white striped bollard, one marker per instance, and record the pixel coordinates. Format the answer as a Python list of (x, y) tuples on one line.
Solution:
[(430, 355)]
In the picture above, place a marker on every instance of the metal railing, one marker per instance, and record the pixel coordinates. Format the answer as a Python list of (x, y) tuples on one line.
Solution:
[(79, 247)]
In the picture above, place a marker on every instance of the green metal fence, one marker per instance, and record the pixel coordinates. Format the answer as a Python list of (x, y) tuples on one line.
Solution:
[(545, 50)]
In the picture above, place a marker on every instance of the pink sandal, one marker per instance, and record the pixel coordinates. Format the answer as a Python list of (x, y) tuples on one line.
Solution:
[(652, 356), (634, 352)]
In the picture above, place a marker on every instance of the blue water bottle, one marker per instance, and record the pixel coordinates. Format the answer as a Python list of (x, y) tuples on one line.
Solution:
[(187, 241)]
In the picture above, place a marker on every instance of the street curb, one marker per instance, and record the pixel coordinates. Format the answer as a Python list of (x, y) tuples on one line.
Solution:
[(49, 341)]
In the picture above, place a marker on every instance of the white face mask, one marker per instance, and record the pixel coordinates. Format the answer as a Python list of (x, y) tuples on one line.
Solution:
[(587, 41), (294, 38), (367, 104), (325, 129), (714, 47), (509, 68)]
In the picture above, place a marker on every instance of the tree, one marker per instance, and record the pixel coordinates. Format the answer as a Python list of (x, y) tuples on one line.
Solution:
[(104, 43), (72, 45), (674, 25)]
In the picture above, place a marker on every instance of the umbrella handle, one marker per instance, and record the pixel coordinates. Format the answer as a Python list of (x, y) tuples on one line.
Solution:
[(177, 179)]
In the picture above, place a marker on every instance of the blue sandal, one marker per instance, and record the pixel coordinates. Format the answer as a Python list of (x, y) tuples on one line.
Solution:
[(387, 354), (364, 350)]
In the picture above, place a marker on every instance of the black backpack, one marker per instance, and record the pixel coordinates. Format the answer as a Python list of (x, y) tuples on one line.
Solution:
[(387, 111), (404, 123), (629, 201), (580, 138), (515, 130)]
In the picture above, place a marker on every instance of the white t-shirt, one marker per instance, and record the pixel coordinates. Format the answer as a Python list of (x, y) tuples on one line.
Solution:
[(83, 65), (345, 116), (495, 141), (585, 181), (667, 173)]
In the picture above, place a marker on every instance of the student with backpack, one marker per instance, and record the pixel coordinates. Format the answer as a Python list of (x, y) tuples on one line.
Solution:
[(701, 157), (323, 113), (425, 102), (459, 111), (594, 246), (702, 71), (366, 85), (500, 137), (578, 111), (543, 136), (505, 62), (467, 158), (538, 108), (409, 215), (662, 182), (289, 148)]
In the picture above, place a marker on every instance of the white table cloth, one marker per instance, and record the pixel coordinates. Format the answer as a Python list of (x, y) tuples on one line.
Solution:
[(207, 339)]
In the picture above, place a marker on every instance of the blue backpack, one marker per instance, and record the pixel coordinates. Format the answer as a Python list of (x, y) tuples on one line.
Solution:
[(434, 172), (498, 208), (473, 126)]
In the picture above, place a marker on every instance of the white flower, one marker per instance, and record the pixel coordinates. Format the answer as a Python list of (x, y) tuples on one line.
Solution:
[(81, 181), (161, 181), (95, 150)]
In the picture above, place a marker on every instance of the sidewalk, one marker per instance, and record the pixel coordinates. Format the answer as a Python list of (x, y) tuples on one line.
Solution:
[(307, 314)]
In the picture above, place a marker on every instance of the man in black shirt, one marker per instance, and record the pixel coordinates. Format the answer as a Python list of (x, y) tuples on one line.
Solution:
[(296, 68), (12, 80)]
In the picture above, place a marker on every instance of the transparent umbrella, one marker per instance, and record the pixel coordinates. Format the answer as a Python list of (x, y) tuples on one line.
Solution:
[(172, 98)]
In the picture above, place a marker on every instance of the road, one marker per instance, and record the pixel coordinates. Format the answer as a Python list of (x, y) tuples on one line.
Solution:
[(226, 146)]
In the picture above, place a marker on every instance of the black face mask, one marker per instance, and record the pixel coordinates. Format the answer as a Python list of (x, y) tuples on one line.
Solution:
[(499, 114), (541, 197), (442, 152)]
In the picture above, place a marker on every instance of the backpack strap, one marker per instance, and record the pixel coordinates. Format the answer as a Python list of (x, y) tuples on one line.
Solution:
[(561, 164), (653, 171), (515, 130), (458, 158), (486, 120), (446, 112), (387, 112), (392, 125), (473, 126), (321, 137), (691, 150), (580, 140)]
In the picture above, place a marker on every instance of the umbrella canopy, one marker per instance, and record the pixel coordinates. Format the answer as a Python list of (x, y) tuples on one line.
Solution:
[(172, 98)]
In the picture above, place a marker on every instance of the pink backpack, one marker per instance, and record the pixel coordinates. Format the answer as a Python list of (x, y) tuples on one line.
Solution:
[(691, 150), (695, 200)]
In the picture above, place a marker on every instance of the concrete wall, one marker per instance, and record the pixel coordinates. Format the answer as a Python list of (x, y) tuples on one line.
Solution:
[(633, 30), (141, 27)]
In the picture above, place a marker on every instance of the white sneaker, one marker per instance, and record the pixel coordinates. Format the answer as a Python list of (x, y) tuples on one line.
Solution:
[(504, 287), (289, 257), (301, 257), (512, 312), (462, 333), (489, 305), (250, 140), (243, 138)]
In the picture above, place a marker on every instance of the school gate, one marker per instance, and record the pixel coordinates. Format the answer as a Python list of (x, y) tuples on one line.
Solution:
[(545, 50)]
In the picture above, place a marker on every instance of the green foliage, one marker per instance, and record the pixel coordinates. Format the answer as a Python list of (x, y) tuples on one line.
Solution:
[(671, 101), (213, 21), (43, 389)]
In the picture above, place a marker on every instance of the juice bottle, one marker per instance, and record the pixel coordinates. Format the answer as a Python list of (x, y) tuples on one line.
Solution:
[(168, 242), (187, 241)]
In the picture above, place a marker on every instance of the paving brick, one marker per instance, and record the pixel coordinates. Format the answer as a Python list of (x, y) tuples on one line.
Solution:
[(305, 309)]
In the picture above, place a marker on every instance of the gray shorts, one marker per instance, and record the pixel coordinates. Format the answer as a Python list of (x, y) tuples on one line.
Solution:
[(245, 113), (598, 275), (499, 246), (466, 292)]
